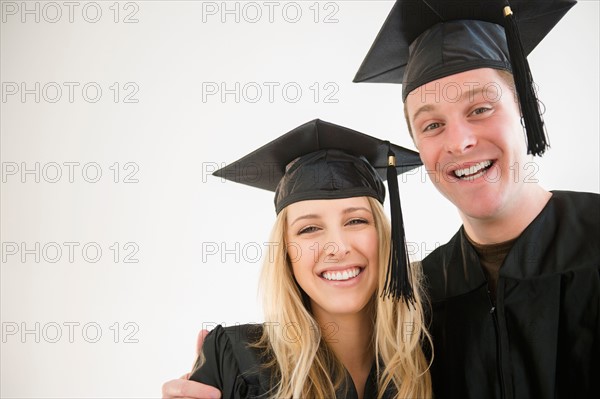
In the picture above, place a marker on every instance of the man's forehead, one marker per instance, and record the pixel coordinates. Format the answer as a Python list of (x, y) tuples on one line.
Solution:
[(459, 88), (429, 98)]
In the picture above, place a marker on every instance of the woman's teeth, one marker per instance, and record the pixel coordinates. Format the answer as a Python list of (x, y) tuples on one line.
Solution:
[(341, 275)]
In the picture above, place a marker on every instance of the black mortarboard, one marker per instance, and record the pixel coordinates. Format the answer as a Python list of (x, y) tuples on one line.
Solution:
[(321, 160), (425, 40)]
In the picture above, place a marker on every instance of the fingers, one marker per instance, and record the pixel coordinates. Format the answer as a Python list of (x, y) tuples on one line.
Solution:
[(201, 336), (184, 389)]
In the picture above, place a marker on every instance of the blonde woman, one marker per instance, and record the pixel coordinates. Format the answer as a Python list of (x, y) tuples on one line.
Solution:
[(341, 319)]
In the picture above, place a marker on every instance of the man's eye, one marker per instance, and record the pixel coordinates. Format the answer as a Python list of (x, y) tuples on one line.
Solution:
[(481, 110), (432, 126)]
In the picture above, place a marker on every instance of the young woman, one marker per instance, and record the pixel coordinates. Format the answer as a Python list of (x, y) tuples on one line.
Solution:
[(340, 319)]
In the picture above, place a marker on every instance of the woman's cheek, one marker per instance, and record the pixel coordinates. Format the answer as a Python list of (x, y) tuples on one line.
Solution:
[(302, 252)]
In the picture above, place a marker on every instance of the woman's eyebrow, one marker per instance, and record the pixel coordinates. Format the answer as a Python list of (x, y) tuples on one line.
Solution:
[(345, 211), (307, 216), (354, 209)]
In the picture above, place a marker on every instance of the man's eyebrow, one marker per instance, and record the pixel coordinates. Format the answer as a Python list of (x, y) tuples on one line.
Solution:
[(424, 108), (473, 92), (465, 94)]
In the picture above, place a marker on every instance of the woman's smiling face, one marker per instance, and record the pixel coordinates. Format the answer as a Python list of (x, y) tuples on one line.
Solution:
[(334, 252)]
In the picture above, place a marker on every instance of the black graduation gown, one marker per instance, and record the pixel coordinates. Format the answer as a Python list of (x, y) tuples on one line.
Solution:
[(234, 367), (542, 339)]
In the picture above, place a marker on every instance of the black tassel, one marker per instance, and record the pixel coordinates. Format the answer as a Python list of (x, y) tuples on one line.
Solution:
[(398, 278), (537, 141)]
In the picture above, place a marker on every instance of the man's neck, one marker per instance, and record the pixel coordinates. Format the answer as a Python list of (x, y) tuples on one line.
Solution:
[(511, 223)]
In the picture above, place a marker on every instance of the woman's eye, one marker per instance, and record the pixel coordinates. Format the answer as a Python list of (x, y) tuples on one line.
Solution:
[(357, 221), (308, 229)]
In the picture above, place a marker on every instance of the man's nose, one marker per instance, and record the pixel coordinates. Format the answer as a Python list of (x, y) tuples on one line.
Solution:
[(459, 137)]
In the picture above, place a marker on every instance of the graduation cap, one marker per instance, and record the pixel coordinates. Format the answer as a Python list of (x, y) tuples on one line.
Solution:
[(321, 160), (425, 40)]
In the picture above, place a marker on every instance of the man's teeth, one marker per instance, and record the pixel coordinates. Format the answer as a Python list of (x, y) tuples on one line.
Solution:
[(472, 172), (341, 275)]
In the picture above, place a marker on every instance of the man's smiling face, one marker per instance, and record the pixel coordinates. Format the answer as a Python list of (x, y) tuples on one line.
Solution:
[(468, 131)]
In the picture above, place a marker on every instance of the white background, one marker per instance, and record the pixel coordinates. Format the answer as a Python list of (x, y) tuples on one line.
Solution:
[(176, 214)]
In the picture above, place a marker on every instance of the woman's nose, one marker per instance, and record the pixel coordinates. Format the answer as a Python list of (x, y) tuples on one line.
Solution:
[(337, 245)]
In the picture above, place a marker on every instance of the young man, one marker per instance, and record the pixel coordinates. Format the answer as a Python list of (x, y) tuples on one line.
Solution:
[(515, 294)]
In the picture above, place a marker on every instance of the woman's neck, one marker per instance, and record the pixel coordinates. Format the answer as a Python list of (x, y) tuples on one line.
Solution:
[(350, 338)]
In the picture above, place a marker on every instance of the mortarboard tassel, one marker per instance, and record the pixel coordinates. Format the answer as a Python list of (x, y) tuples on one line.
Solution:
[(398, 277), (537, 142)]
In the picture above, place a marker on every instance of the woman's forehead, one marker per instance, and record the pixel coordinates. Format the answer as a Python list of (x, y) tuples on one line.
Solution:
[(324, 206)]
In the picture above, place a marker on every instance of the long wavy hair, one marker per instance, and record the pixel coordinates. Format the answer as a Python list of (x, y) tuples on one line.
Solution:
[(304, 365)]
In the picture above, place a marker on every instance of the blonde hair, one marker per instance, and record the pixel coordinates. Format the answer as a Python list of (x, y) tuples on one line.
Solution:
[(304, 365)]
